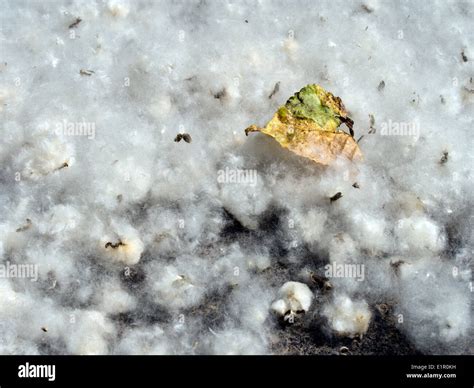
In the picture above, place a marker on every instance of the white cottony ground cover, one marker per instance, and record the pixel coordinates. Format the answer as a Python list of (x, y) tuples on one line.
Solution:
[(90, 159)]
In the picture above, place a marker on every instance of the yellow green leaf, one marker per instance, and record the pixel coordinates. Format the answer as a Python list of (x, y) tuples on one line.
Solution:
[(308, 125)]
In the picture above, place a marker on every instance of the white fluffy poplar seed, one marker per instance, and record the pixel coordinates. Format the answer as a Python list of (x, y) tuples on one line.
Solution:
[(294, 297), (346, 317), (127, 250)]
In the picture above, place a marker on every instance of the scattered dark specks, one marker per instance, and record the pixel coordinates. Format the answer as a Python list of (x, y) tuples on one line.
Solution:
[(464, 56), (275, 90), (367, 8), (116, 245), (416, 99), (119, 198), (371, 120), (26, 226), (64, 165), (336, 196), (220, 94), (441, 97), (44, 329), (75, 23), (246, 21), (187, 137), (396, 266), (355, 185), (381, 86), (86, 72), (372, 128), (321, 281), (444, 158), (183, 136)]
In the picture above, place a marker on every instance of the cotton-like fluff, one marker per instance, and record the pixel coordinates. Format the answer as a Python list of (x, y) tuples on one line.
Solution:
[(113, 299), (148, 341), (44, 155), (370, 231), (125, 222), (347, 317), (342, 249), (27, 314), (89, 333), (122, 246), (294, 297), (233, 267), (235, 341), (259, 262), (245, 199), (118, 8), (60, 219), (249, 305), (418, 234), (435, 305), (310, 224), (179, 285)]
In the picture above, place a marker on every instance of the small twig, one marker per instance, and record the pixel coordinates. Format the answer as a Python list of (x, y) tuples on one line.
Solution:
[(444, 158), (220, 94), (75, 23), (336, 196), (86, 72), (396, 266), (116, 245), (367, 8), (276, 88), (381, 86), (25, 227), (64, 165)]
